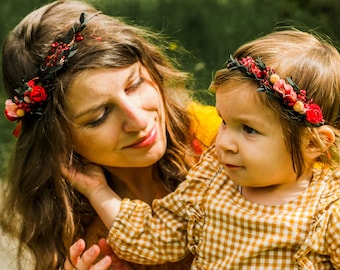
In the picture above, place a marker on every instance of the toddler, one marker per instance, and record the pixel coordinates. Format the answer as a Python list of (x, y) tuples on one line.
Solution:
[(267, 194)]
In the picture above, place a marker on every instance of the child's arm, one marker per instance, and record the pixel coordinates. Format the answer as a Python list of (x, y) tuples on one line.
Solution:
[(91, 182), (124, 237), (139, 233), (106, 203)]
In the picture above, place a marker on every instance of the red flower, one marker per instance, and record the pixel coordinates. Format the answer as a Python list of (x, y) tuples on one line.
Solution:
[(287, 92), (31, 83), (251, 66), (38, 94), (290, 99), (282, 87), (9, 116), (255, 70), (302, 95), (11, 110), (313, 114), (197, 147)]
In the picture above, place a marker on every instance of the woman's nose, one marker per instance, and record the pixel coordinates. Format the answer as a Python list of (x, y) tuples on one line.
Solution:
[(134, 117)]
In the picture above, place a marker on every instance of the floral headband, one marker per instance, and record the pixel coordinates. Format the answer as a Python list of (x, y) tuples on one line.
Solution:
[(31, 99), (293, 99)]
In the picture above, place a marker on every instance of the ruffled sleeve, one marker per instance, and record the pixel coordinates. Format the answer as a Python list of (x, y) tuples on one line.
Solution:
[(173, 228), (333, 234), (324, 233)]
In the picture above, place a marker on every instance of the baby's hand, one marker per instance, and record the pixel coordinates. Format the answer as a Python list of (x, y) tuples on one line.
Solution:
[(88, 179), (91, 182)]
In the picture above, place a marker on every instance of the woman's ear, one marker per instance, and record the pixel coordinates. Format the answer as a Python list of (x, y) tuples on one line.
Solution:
[(319, 141)]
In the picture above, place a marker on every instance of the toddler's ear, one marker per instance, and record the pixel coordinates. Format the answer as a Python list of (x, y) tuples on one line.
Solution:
[(327, 135), (318, 143)]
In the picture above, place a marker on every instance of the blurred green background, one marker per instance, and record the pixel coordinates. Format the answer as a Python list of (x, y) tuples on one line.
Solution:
[(209, 30)]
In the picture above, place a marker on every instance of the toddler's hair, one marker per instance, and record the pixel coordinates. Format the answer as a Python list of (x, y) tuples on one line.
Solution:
[(314, 65)]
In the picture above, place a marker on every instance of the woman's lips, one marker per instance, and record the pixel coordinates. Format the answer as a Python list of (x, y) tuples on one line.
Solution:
[(146, 141)]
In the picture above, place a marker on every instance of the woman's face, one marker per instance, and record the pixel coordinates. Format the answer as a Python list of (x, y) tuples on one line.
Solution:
[(117, 117)]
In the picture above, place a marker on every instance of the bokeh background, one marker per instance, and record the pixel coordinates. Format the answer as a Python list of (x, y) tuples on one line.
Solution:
[(202, 33)]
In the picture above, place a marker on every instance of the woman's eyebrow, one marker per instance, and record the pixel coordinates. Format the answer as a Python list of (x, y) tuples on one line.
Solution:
[(97, 107), (88, 110)]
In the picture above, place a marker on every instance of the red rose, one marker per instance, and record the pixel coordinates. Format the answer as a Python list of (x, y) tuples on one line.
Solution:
[(11, 110), (313, 114), (37, 94), (31, 83), (9, 116)]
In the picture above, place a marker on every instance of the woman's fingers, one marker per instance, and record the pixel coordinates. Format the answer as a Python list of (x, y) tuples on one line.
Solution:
[(104, 264), (76, 251), (105, 247), (82, 259), (116, 263), (88, 258)]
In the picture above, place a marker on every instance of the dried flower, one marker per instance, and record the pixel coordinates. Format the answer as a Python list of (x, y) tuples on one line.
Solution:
[(31, 98), (286, 91)]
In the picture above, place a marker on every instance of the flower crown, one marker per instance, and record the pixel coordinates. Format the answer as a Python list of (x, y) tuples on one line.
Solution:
[(293, 99), (31, 99)]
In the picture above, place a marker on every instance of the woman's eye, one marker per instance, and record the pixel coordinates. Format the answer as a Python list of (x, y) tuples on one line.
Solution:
[(135, 85), (99, 120), (249, 130)]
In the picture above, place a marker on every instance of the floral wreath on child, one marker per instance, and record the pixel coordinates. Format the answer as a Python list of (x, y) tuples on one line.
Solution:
[(293, 99)]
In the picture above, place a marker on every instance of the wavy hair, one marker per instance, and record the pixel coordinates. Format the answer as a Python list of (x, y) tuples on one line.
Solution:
[(46, 211)]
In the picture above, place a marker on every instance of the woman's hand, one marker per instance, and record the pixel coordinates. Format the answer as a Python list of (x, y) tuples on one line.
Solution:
[(85, 260)]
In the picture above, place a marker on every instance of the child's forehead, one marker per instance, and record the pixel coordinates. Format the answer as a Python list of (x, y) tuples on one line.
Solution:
[(243, 96), (239, 88)]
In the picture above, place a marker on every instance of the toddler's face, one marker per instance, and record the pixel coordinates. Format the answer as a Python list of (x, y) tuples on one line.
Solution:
[(250, 141)]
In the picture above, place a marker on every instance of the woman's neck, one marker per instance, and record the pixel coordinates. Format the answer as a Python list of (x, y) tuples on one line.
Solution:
[(136, 183)]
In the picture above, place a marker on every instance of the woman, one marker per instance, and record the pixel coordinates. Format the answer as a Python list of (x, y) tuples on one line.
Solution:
[(87, 88)]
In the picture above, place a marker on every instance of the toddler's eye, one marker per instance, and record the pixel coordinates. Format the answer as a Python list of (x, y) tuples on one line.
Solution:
[(249, 130), (223, 123)]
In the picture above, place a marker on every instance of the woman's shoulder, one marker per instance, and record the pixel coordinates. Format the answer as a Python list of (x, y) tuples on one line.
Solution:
[(205, 122)]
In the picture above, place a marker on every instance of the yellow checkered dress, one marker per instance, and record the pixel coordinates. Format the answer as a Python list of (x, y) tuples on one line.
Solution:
[(208, 216)]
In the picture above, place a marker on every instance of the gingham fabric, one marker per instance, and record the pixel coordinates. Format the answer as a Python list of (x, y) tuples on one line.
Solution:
[(205, 123), (208, 216)]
